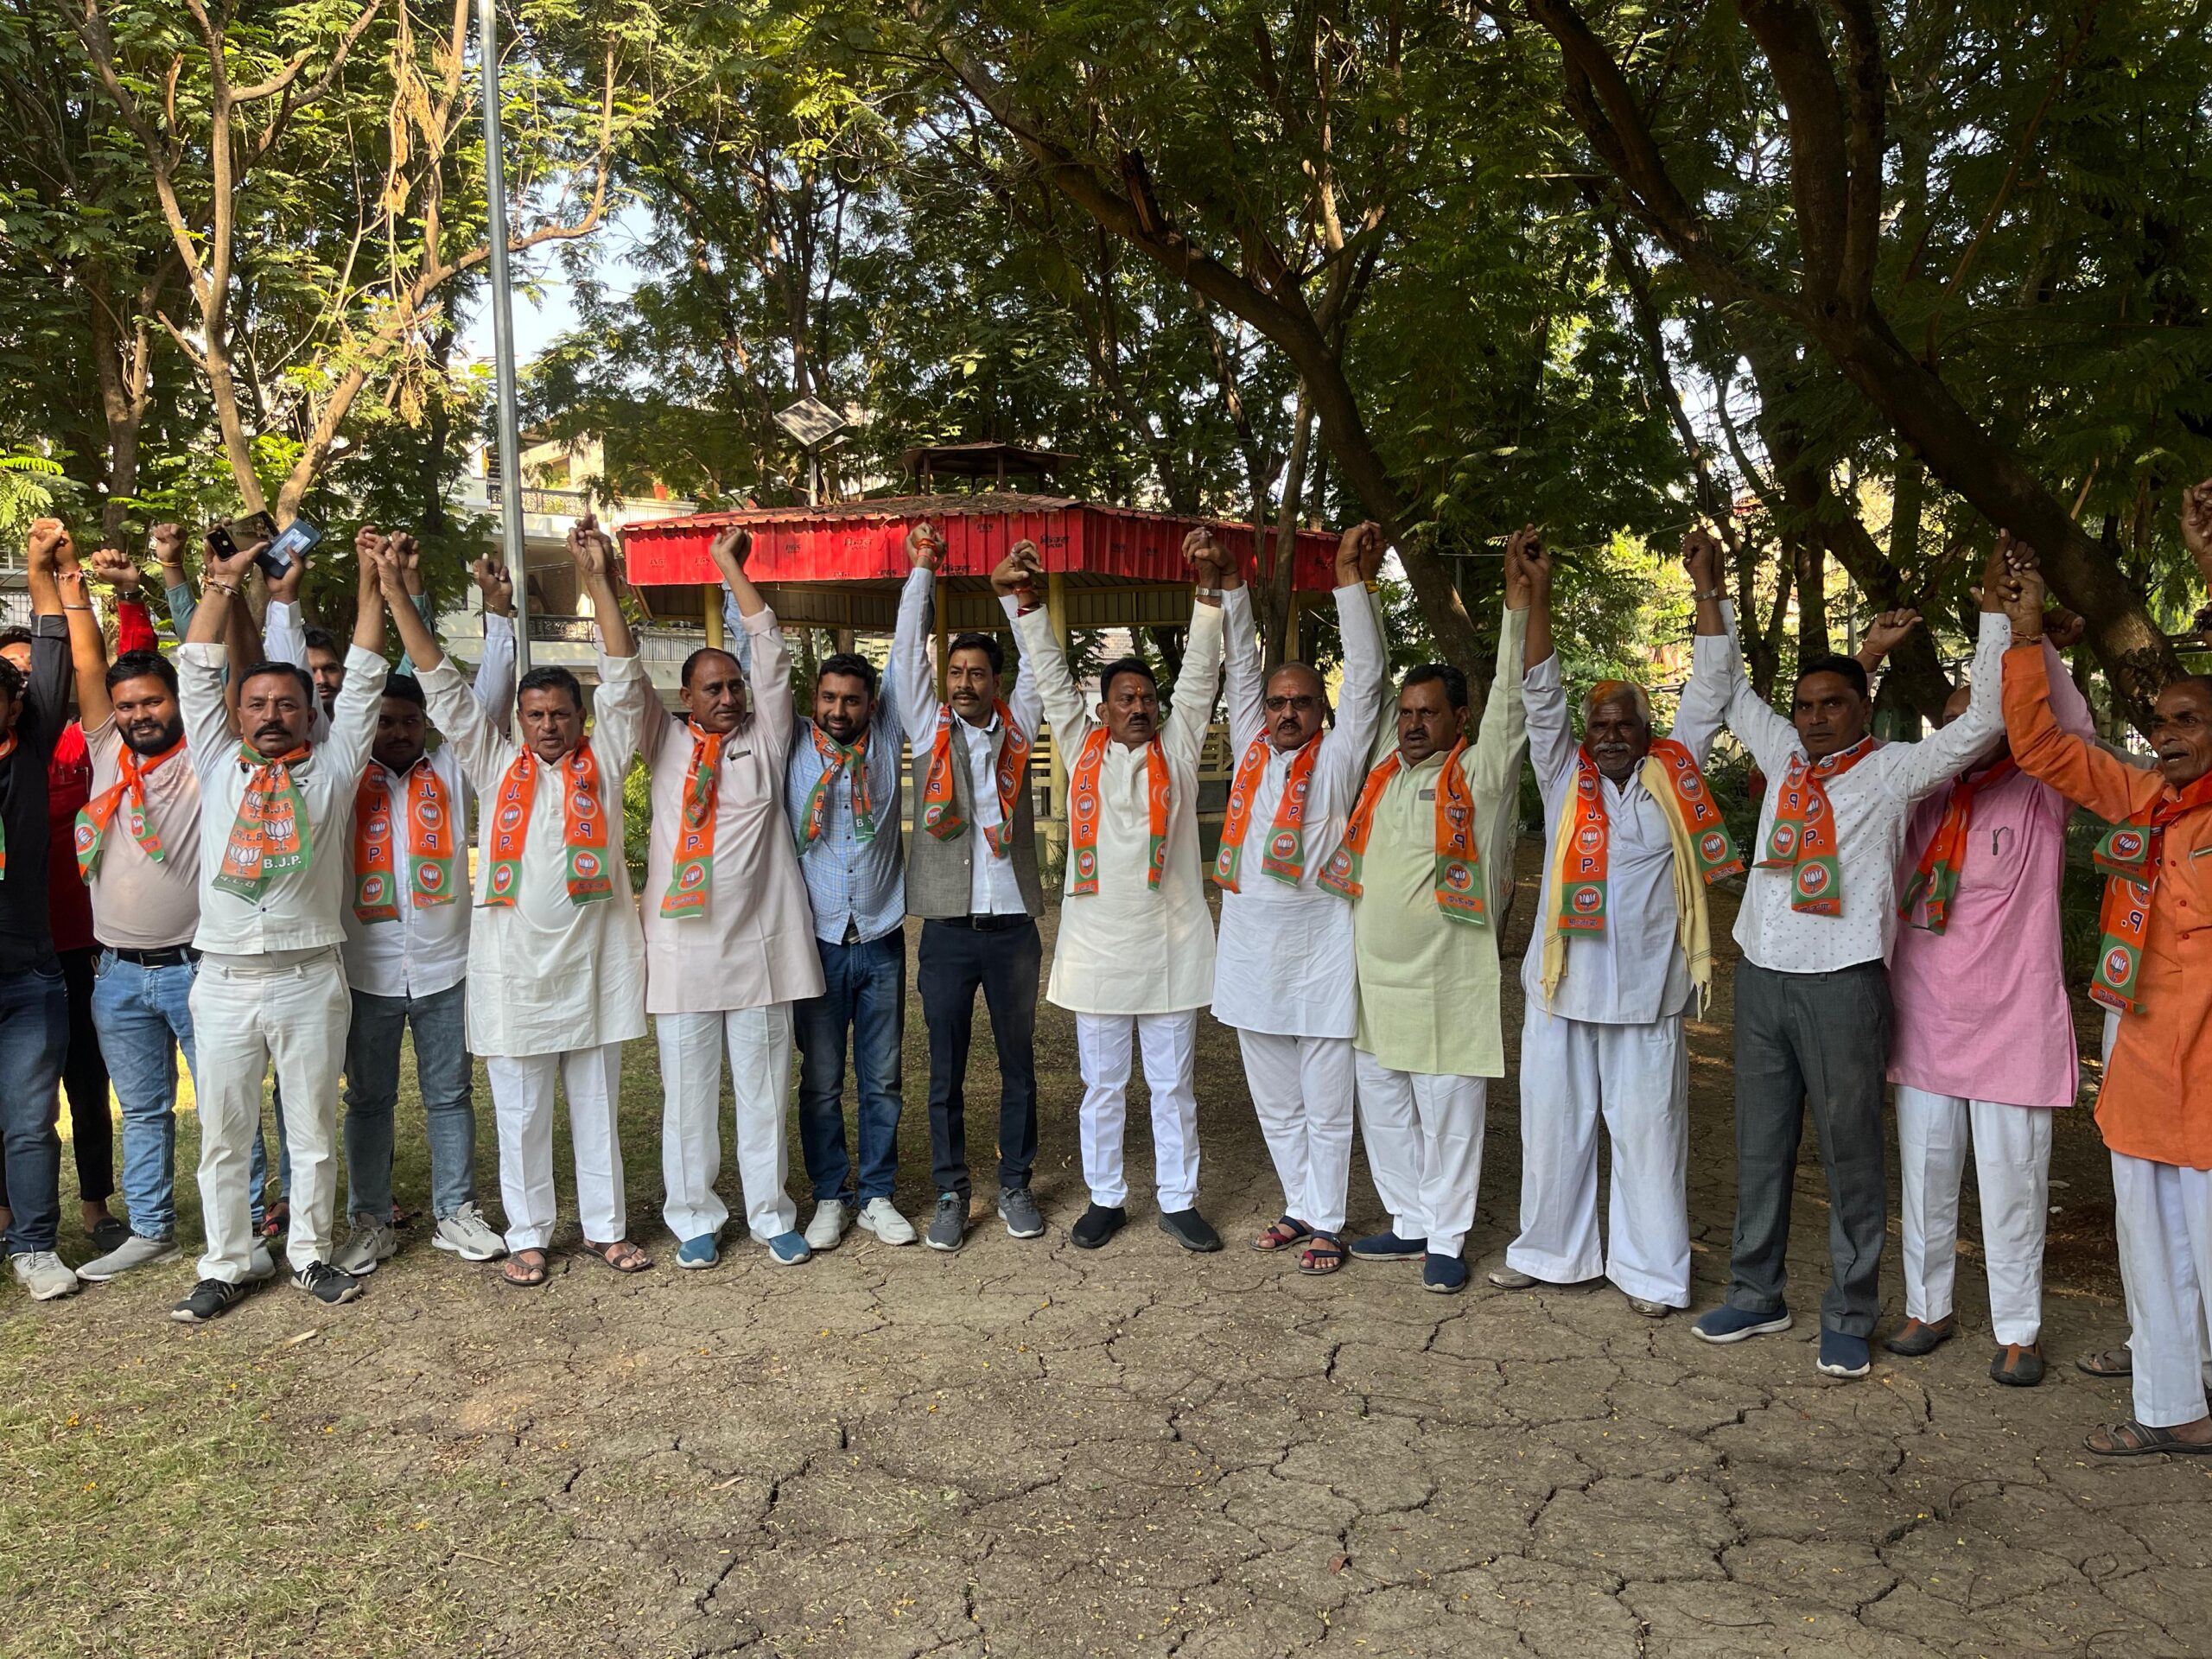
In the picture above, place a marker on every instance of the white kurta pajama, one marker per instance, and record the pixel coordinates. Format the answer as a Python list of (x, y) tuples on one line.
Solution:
[(271, 987), (1131, 958), (1607, 1045), (554, 987), (726, 978), (1428, 1037), (1283, 975)]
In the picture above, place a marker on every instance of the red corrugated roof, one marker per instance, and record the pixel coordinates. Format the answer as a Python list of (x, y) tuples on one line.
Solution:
[(862, 541)]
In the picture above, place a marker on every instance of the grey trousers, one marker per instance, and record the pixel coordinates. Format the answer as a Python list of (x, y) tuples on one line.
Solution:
[(1822, 1041)]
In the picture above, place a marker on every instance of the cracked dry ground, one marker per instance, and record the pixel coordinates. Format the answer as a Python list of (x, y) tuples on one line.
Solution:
[(1026, 1450)]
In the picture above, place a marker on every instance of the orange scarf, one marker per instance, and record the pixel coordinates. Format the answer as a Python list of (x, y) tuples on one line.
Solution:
[(692, 871), (583, 829), (1083, 806), (2129, 856), (270, 836), (1580, 904), (1802, 839), (1285, 858), (941, 810), (1459, 879), (1945, 856), (132, 769), (433, 843), (838, 758)]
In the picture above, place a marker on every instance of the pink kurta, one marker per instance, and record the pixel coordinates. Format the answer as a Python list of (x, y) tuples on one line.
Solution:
[(1982, 1012)]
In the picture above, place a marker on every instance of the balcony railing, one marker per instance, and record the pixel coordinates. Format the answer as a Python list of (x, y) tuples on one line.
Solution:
[(551, 504), (562, 630)]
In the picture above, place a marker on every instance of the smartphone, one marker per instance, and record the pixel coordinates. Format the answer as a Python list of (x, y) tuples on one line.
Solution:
[(290, 543)]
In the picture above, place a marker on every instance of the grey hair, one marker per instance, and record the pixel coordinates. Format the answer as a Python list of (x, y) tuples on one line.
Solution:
[(1606, 691)]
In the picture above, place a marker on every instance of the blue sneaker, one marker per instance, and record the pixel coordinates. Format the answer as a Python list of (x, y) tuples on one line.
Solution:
[(789, 1249), (1842, 1355), (1388, 1247), (1726, 1324), (1445, 1274), (700, 1252)]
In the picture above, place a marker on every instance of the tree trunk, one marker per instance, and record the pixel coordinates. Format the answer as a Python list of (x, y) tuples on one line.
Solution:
[(1809, 560), (1279, 609)]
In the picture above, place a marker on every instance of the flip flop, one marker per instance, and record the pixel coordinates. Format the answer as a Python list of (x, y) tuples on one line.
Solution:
[(521, 1272), (1279, 1235), (2134, 1440), (1324, 1254), (621, 1255)]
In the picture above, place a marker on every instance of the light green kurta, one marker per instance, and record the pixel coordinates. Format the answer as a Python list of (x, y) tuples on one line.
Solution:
[(1428, 988)]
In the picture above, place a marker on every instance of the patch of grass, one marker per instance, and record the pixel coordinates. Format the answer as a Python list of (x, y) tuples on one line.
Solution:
[(154, 1506)]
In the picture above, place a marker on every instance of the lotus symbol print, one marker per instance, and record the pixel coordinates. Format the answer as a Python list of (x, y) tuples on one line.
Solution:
[(1812, 879), (1586, 900), (1284, 844), (1785, 840), (1457, 878), (587, 863), (511, 817), (1715, 844), (431, 876), (379, 826), (2117, 964), (1590, 838)]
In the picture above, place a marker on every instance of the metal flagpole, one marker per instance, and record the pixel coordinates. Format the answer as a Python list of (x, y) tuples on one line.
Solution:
[(503, 333)]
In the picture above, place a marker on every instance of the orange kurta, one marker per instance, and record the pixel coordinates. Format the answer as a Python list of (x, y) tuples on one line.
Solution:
[(2157, 1099)]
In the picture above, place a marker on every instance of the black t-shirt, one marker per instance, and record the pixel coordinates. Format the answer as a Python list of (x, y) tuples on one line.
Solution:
[(26, 937)]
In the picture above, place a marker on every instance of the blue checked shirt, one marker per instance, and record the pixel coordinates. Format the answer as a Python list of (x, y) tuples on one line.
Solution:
[(856, 887)]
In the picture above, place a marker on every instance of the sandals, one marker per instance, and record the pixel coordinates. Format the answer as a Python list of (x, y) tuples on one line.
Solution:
[(275, 1221), (621, 1255), (524, 1269), (1281, 1235), (1324, 1254), (2134, 1440), (2112, 1362)]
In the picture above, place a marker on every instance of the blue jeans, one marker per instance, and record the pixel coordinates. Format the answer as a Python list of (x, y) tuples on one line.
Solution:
[(145, 1016), (440, 1021), (33, 1038), (864, 989)]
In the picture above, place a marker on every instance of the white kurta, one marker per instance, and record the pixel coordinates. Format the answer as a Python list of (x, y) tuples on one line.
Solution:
[(1632, 972), (546, 977), (1129, 949), (755, 944), (1285, 965)]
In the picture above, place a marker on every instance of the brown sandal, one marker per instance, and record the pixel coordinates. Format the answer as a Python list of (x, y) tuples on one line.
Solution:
[(621, 1255), (1279, 1235), (2110, 1362), (2134, 1440), (523, 1273)]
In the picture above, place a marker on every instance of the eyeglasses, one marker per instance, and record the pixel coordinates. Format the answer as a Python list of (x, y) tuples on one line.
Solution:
[(1284, 705)]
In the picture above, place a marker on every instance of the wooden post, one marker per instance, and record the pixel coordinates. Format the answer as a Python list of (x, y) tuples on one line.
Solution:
[(710, 607)]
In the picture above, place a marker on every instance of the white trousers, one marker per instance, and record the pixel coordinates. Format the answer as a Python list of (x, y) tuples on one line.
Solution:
[(1424, 1138), (1301, 1089), (522, 1101), (759, 1044), (244, 1017), (2011, 1166), (2164, 1216), (1636, 1078), (1170, 1044)]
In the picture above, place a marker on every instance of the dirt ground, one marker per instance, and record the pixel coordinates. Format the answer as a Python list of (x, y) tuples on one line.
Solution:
[(1027, 1450)]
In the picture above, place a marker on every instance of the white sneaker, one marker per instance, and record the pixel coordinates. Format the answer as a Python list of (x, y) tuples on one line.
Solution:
[(468, 1236), (41, 1273), (827, 1225), (881, 1217), (133, 1252), (372, 1241)]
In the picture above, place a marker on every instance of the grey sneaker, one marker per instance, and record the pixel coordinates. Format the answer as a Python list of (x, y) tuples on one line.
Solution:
[(133, 1252), (42, 1273), (830, 1219), (468, 1236), (261, 1266), (1019, 1211), (372, 1241), (948, 1226)]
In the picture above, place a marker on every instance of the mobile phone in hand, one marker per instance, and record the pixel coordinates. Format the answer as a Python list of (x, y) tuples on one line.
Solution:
[(294, 540)]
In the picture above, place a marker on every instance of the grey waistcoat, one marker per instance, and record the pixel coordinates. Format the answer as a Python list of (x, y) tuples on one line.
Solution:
[(939, 873)]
